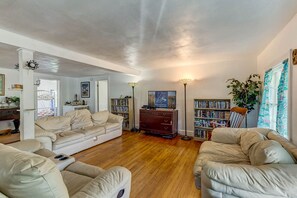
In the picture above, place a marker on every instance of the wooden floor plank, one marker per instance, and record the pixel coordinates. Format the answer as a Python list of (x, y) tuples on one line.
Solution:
[(160, 167)]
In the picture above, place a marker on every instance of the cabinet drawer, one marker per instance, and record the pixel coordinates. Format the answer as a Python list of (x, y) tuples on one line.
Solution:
[(156, 113), (166, 128)]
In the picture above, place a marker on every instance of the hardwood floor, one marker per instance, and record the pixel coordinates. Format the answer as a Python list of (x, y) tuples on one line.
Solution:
[(160, 167)]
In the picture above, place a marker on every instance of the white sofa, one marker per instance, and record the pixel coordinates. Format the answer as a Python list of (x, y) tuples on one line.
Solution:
[(250, 162), (77, 130), (26, 171)]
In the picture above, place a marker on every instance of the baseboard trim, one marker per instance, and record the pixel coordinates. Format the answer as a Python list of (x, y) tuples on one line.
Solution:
[(190, 133)]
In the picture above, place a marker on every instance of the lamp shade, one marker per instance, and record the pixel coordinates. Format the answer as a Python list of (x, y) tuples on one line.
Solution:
[(185, 80), (132, 84)]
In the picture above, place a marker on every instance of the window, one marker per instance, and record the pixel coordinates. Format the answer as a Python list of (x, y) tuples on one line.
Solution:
[(274, 106), (273, 87)]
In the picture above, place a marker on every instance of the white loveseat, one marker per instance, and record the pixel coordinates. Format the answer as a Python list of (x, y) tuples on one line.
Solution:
[(77, 130), (26, 171), (250, 162)]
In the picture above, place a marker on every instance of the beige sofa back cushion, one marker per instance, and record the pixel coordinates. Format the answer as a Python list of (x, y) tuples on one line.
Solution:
[(248, 139), (291, 148), (269, 152), (54, 124), (80, 118), (100, 117), (25, 174)]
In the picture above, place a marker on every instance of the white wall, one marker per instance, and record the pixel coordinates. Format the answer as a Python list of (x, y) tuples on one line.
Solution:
[(210, 82), (90, 101), (275, 52)]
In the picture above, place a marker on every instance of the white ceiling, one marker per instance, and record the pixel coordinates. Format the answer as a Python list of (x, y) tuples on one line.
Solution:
[(147, 34)]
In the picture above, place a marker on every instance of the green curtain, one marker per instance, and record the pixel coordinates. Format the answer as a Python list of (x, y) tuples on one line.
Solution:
[(282, 102), (264, 113)]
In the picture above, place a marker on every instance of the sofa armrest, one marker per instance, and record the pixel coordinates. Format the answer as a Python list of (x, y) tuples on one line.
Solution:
[(113, 182), (112, 118), (39, 132), (275, 180), (29, 145)]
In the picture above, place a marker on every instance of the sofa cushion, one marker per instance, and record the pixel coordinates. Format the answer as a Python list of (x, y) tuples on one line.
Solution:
[(25, 174), (100, 117), (219, 152), (291, 148), (91, 131), (248, 139), (66, 138), (266, 181), (80, 118), (54, 124), (269, 152), (74, 182)]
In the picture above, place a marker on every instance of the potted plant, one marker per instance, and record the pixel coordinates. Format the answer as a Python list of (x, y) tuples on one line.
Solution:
[(245, 94), (15, 100)]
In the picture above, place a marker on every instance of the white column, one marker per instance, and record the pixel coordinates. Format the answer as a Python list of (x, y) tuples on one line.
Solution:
[(27, 96)]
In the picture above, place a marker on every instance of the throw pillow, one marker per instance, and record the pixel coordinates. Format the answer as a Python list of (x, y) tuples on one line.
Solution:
[(269, 152), (248, 139), (80, 118), (54, 124), (100, 117)]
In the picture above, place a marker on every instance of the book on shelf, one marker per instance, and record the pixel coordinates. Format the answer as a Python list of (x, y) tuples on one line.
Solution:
[(122, 107), (224, 104), (209, 113)]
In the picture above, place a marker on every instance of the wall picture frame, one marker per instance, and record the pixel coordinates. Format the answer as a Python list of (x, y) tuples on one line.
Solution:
[(2, 84), (85, 89)]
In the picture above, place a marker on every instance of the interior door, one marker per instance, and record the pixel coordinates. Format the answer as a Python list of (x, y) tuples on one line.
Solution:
[(102, 95)]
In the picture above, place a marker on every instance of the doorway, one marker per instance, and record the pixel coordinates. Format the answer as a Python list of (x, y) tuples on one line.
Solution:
[(48, 98), (102, 95)]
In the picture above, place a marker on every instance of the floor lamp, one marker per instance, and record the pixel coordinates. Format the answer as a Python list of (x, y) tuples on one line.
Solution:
[(133, 84), (185, 82)]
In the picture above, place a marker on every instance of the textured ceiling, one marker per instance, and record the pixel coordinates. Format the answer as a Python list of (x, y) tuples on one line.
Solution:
[(148, 34), (49, 64)]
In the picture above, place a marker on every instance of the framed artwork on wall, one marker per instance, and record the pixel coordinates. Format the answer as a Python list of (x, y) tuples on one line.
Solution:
[(2, 85), (85, 89)]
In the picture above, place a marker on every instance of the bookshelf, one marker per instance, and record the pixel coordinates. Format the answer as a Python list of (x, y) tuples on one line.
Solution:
[(207, 111), (123, 107)]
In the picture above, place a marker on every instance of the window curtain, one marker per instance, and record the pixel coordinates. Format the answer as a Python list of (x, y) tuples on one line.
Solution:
[(282, 102), (264, 113)]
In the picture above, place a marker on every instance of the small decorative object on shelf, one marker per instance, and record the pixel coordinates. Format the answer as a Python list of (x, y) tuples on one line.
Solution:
[(207, 111), (123, 107), (32, 64)]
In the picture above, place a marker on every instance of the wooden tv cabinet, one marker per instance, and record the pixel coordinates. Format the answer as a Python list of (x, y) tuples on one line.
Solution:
[(161, 122)]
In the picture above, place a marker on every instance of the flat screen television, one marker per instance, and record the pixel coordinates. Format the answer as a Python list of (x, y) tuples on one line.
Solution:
[(162, 99)]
